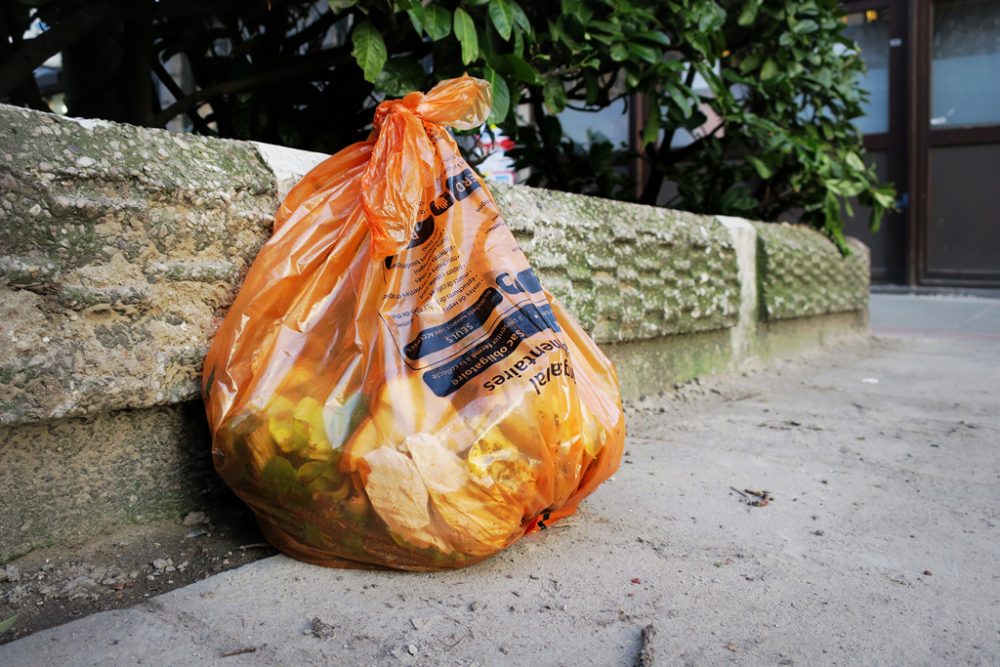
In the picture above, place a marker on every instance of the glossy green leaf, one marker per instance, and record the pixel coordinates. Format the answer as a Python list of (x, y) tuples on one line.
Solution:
[(417, 16), (651, 131), (711, 18), (769, 70), (875, 223), (518, 68), (614, 29), (465, 32), (854, 162), (399, 77), (520, 18), (554, 93), (369, 50), (631, 78), (681, 100), (654, 37), (805, 27), (885, 197), (501, 95), (644, 52), (338, 6), (762, 169), (437, 22), (749, 13), (502, 15), (573, 8), (750, 62)]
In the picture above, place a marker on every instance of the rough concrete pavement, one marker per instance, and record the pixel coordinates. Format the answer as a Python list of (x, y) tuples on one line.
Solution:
[(880, 546)]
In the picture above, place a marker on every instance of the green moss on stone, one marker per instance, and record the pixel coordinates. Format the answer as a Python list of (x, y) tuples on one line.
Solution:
[(800, 273)]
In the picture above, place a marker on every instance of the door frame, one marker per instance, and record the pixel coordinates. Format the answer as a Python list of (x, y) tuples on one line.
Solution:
[(894, 143), (922, 139), (911, 138)]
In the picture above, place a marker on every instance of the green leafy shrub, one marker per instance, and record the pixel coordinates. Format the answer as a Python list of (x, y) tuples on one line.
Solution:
[(771, 85)]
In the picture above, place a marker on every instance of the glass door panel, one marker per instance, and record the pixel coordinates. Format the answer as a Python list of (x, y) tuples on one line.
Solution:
[(870, 31), (965, 63), (876, 28)]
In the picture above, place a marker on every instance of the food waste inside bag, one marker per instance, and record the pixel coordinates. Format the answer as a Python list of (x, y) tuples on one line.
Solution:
[(392, 386)]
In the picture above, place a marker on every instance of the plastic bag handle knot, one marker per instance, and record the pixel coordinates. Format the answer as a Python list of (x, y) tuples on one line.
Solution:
[(463, 103), (403, 167), (390, 106)]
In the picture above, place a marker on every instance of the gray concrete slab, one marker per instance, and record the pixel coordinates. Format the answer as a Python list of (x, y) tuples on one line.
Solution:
[(936, 315), (880, 546)]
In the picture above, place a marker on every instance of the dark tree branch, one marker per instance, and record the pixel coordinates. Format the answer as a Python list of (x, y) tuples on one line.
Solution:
[(596, 108), (554, 167), (654, 183), (168, 82), (137, 47), (11, 37), (29, 95), (297, 67), (21, 63), (314, 30), (177, 9)]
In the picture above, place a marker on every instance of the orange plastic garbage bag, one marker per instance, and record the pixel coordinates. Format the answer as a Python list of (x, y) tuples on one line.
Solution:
[(392, 386)]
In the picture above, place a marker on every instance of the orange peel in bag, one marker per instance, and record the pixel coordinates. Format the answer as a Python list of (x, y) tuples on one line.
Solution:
[(392, 386)]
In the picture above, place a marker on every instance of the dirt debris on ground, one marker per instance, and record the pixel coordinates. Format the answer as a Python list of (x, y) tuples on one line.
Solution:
[(61, 583), (647, 653), (321, 630)]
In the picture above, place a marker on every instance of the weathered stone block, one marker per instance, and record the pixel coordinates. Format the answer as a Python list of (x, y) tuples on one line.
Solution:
[(84, 475), (800, 273), (652, 271), (119, 248)]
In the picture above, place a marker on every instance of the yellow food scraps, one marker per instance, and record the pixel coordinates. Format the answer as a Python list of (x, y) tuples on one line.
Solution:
[(495, 459), (300, 428), (364, 441), (477, 523)]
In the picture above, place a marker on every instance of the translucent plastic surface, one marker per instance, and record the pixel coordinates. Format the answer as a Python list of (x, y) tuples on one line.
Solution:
[(392, 387)]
